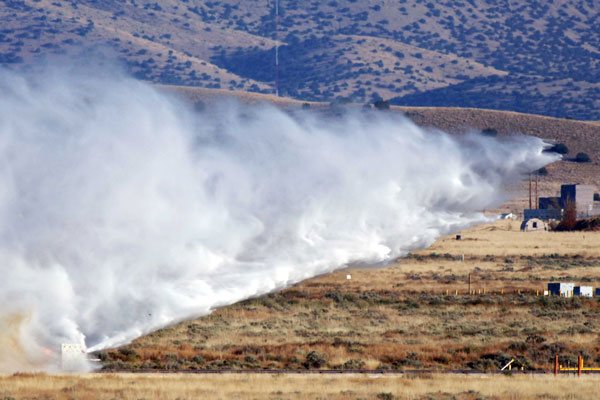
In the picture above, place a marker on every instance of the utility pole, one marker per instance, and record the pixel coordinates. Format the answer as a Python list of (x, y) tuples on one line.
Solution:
[(277, 48), (537, 199), (530, 191)]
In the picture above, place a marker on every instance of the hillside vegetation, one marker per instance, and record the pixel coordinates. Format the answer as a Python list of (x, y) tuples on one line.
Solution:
[(529, 56), (417, 313), (577, 136)]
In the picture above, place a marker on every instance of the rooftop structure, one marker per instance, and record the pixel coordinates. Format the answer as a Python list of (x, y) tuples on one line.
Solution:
[(579, 196)]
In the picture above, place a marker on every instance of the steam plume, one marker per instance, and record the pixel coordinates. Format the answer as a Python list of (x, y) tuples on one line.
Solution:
[(122, 210)]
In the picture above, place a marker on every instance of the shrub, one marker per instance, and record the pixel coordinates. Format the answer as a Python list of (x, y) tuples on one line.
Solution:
[(314, 359), (250, 359), (172, 361), (490, 132), (355, 363), (541, 172), (199, 360), (582, 158), (535, 339), (382, 104), (559, 148), (519, 346), (128, 354)]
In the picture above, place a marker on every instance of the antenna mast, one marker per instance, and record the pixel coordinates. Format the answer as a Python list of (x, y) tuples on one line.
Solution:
[(277, 48)]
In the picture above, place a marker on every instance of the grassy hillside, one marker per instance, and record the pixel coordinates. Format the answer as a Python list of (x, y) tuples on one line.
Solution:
[(416, 313), (522, 55)]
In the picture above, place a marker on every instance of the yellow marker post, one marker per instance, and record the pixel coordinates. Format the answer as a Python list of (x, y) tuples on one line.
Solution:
[(502, 291)]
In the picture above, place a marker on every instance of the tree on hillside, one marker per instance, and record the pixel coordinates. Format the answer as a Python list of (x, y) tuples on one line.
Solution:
[(541, 172), (559, 148), (490, 132), (382, 104), (582, 158)]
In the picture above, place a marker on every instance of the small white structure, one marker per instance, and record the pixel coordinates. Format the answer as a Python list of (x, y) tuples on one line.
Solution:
[(74, 358), (583, 291), (508, 216), (534, 225), (561, 289)]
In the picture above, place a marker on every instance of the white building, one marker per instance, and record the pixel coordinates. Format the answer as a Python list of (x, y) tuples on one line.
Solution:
[(583, 291), (534, 225), (561, 289)]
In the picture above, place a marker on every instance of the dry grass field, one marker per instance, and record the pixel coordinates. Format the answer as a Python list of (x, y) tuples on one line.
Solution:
[(416, 313), (296, 387)]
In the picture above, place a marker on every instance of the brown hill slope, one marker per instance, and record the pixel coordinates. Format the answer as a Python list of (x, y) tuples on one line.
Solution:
[(578, 136), (525, 55)]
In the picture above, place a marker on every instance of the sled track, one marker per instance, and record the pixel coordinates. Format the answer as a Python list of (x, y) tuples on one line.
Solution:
[(332, 371)]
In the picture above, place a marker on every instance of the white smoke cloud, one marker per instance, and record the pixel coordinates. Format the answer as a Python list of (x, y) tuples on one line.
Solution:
[(122, 210)]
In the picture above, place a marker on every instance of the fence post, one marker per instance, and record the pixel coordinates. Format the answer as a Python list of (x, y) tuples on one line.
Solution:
[(579, 365), (556, 365)]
